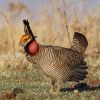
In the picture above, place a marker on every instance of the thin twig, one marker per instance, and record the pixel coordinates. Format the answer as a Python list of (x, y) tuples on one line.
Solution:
[(67, 28)]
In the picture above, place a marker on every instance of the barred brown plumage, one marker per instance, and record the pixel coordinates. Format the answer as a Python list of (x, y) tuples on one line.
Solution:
[(61, 64), (53, 62)]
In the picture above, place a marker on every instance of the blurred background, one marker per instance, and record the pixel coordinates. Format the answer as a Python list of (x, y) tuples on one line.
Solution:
[(54, 22)]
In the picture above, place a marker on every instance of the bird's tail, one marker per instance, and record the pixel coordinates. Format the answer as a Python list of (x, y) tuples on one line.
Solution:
[(80, 72), (79, 42)]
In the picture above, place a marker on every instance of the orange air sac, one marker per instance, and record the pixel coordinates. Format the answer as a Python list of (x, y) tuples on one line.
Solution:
[(33, 47)]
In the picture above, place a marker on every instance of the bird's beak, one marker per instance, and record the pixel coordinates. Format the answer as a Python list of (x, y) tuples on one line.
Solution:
[(20, 44)]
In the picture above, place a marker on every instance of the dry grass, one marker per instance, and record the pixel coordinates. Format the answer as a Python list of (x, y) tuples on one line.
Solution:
[(54, 30), (21, 74)]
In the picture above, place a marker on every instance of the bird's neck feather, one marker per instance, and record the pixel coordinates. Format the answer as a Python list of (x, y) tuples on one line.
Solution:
[(32, 47)]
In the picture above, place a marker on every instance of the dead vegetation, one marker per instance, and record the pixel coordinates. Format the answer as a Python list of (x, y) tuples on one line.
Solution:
[(54, 29)]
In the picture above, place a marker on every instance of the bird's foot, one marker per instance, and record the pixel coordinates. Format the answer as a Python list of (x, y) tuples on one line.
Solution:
[(54, 89)]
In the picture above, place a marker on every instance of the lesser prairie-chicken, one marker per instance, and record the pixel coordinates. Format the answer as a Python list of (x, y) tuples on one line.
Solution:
[(59, 63)]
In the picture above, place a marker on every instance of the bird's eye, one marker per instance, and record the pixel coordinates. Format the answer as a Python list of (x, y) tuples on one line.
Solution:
[(25, 40)]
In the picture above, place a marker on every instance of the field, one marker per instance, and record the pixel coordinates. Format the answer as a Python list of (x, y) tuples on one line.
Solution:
[(20, 73), (16, 71)]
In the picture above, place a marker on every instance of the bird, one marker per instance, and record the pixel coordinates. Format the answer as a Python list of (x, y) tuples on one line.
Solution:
[(61, 64), (11, 95)]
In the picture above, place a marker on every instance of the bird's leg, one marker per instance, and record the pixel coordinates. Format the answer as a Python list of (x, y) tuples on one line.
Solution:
[(55, 86), (58, 87)]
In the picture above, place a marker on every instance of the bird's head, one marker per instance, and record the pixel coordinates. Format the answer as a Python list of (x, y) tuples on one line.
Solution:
[(28, 40), (29, 43), (25, 39), (28, 36)]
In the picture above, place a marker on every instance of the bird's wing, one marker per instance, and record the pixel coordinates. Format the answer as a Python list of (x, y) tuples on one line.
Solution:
[(74, 62)]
